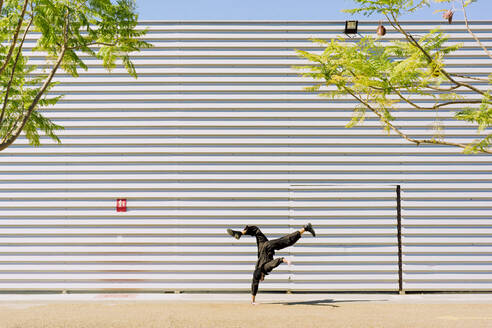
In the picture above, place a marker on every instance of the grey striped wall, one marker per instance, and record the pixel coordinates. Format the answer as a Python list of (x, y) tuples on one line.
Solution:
[(356, 249), (217, 132)]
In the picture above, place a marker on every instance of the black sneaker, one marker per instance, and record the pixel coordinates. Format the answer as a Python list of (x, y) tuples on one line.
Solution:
[(234, 233), (309, 227)]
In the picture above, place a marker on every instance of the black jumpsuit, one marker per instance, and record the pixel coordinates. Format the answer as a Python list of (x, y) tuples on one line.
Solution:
[(266, 250)]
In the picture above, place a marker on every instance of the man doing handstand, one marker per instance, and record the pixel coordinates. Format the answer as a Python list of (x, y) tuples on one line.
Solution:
[(266, 250)]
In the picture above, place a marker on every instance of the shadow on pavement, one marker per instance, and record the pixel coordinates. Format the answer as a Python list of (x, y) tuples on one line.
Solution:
[(325, 302)]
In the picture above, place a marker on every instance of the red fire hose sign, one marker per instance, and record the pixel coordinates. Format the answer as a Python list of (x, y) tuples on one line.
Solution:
[(121, 205)]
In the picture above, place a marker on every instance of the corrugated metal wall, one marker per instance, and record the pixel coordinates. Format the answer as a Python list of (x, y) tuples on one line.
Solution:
[(216, 133), (356, 247)]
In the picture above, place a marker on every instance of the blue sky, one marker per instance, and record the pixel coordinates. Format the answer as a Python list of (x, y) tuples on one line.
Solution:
[(279, 10)]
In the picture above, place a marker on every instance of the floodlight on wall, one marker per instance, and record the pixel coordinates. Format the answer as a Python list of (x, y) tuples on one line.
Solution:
[(351, 26)]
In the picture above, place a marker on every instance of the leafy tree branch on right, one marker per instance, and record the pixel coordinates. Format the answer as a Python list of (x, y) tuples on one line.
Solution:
[(383, 76)]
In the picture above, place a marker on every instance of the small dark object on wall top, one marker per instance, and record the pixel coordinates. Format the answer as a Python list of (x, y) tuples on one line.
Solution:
[(381, 29), (448, 14), (351, 27)]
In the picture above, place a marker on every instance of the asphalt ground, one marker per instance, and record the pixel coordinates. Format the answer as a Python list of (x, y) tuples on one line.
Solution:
[(234, 310)]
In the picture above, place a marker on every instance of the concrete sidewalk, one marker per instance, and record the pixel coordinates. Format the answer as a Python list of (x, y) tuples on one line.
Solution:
[(234, 310)]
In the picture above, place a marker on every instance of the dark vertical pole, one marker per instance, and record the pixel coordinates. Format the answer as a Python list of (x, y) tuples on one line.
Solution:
[(398, 222)]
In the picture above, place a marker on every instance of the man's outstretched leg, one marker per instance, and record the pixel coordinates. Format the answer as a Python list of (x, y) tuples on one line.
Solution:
[(283, 242), (290, 239), (249, 230)]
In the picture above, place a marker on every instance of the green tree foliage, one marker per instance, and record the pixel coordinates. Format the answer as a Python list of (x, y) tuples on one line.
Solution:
[(67, 30), (384, 76)]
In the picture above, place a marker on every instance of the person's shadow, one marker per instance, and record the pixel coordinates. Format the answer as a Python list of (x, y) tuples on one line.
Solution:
[(325, 302)]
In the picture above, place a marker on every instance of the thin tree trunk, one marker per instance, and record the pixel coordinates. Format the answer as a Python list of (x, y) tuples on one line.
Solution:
[(14, 40), (13, 73), (15, 134)]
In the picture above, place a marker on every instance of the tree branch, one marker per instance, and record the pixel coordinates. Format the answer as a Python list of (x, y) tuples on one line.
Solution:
[(469, 77), (403, 135), (412, 40), (14, 40), (439, 89), (93, 44), (407, 100), (9, 85), (471, 32), (458, 102), (15, 134), (403, 97)]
